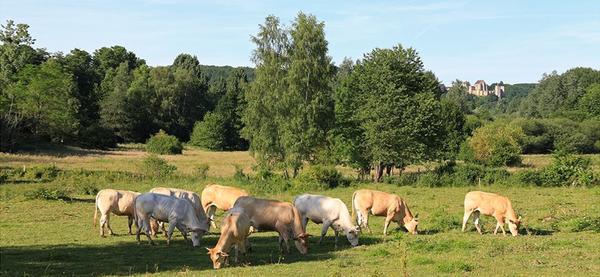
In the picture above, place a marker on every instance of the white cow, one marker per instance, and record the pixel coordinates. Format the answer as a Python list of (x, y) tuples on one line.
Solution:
[(332, 212), (119, 202), (190, 196), (178, 212)]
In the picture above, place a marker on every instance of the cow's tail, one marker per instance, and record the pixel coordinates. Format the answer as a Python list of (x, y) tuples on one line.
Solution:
[(352, 205), (96, 210)]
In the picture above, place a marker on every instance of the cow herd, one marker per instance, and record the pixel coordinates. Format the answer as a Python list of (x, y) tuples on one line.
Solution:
[(193, 215)]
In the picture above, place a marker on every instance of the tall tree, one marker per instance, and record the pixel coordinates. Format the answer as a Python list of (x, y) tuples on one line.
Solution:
[(113, 109)]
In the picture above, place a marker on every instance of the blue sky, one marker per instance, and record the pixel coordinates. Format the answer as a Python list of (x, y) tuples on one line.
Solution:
[(513, 41)]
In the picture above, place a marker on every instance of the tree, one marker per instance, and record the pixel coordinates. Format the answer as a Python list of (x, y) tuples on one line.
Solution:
[(79, 63), (497, 144), (263, 113), (454, 127), (230, 107), (590, 102), (113, 108), (107, 58), (210, 133), (43, 98)]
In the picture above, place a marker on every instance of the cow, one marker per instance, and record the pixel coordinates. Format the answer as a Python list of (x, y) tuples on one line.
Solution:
[(332, 212), (191, 196), (119, 202), (234, 232), (179, 213), (500, 207), (381, 203), (273, 215), (219, 197)]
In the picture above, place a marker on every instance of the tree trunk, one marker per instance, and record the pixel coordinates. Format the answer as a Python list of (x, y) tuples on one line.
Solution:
[(378, 172)]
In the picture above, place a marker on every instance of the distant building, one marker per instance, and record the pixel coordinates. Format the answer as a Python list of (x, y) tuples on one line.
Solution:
[(480, 88)]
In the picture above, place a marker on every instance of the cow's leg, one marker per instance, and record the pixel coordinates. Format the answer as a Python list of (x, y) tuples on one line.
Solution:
[(336, 237), (365, 219), (110, 231), (388, 219), (102, 223), (304, 223), (172, 225), (129, 223), (500, 223), (183, 231), (465, 219), (476, 221), (164, 230), (210, 213), (497, 227), (147, 227), (326, 225)]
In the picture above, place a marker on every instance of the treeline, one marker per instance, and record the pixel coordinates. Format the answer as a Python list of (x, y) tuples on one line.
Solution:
[(98, 99)]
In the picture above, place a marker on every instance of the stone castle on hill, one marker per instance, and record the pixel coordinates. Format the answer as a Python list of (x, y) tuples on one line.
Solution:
[(480, 88)]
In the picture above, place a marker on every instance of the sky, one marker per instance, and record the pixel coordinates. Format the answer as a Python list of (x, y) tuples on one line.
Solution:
[(513, 41)]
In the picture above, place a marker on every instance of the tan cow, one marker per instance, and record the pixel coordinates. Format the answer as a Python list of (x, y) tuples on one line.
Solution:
[(382, 204), (118, 202), (273, 215), (219, 197), (492, 204), (234, 232)]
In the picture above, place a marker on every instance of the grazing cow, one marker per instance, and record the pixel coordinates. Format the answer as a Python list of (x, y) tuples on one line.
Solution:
[(219, 197), (332, 212), (191, 196), (382, 204), (119, 202), (272, 215), (234, 232), (500, 207), (179, 213)]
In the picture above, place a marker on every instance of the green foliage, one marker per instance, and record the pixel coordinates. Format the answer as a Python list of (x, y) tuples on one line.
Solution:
[(528, 177), (325, 174), (568, 170), (497, 144), (201, 171), (580, 224), (42, 172), (453, 267), (43, 193), (155, 166), (210, 132), (163, 143)]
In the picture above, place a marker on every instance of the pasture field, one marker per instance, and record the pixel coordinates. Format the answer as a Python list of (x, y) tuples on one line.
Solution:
[(56, 237)]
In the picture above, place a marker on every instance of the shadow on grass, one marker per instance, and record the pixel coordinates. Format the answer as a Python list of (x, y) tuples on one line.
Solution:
[(125, 258), (532, 231)]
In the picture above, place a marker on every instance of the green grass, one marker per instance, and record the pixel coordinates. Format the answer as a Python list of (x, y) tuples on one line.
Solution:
[(56, 237)]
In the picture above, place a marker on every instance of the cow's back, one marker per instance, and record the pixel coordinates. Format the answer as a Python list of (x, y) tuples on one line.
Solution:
[(264, 213), (377, 201), (485, 202), (223, 197), (119, 202)]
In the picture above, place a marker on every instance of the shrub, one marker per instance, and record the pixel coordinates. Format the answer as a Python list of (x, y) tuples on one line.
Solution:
[(162, 143), (567, 169), (156, 167), (47, 194), (325, 174), (468, 174), (201, 171), (497, 144), (210, 132), (495, 176), (44, 172), (429, 179), (466, 153), (528, 177), (239, 173), (580, 224)]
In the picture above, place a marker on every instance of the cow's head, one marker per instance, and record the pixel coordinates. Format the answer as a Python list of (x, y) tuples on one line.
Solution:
[(218, 258), (301, 242), (197, 234), (513, 226), (411, 226), (352, 235)]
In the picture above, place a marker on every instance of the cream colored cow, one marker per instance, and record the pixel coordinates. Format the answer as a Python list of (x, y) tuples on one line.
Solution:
[(234, 232), (381, 203), (118, 202), (500, 207), (219, 197)]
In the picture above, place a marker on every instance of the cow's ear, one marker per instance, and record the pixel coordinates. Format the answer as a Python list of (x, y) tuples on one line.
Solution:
[(208, 250), (223, 254)]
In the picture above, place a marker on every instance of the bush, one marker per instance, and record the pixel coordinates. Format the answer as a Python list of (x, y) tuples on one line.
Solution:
[(44, 172), (567, 169), (429, 179), (325, 174), (468, 174), (239, 173), (497, 144), (580, 224), (495, 176), (202, 171), (156, 167), (162, 143), (528, 177), (47, 194), (210, 132), (96, 137)]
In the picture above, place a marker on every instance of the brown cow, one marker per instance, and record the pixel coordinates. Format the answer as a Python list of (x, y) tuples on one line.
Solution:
[(235, 231), (382, 204), (273, 215), (219, 197), (119, 202), (498, 206)]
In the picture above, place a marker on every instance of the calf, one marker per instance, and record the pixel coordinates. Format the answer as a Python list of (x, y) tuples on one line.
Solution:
[(500, 207), (332, 212), (272, 215), (119, 202), (219, 197), (382, 204), (177, 212), (190, 196), (234, 232)]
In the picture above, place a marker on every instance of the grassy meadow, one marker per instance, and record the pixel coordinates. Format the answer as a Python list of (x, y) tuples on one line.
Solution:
[(57, 237)]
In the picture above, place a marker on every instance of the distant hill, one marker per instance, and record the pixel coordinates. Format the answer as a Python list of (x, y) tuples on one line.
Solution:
[(214, 72)]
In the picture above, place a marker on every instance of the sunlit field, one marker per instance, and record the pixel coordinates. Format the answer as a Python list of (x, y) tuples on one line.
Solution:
[(57, 237)]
